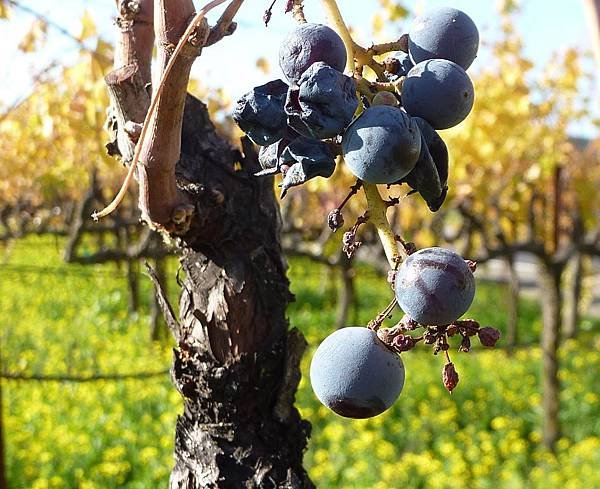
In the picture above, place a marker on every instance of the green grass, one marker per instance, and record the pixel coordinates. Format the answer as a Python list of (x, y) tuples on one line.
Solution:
[(61, 318)]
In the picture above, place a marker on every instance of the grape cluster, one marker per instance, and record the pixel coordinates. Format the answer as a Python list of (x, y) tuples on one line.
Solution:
[(391, 137), (386, 132), (291, 120)]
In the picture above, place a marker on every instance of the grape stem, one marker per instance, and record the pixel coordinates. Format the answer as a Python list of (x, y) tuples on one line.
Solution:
[(353, 191), (447, 355), (377, 211), (376, 206), (387, 47), (336, 20), (376, 323), (298, 12)]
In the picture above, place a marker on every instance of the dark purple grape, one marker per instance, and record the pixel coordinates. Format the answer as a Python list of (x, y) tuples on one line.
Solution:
[(355, 375), (424, 179), (324, 103), (445, 33), (305, 158), (260, 114), (437, 148), (439, 91), (430, 173), (308, 44), (382, 145), (434, 286)]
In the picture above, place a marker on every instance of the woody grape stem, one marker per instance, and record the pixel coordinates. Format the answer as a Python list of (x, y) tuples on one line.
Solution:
[(376, 206)]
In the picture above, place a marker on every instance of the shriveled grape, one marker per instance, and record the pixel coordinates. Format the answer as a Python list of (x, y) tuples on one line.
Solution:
[(260, 114), (324, 103), (307, 44)]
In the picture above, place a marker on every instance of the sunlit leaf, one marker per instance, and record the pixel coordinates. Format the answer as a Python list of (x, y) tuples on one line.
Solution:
[(263, 65), (35, 36), (88, 26)]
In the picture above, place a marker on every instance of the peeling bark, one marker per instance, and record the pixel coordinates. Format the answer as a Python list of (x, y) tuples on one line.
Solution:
[(236, 363)]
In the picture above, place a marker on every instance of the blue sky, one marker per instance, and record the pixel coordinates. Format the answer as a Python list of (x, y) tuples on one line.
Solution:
[(545, 25)]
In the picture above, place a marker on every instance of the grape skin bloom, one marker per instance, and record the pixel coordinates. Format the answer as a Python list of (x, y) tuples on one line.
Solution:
[(308, 44), (439, 91), (355, 375), (434, 286), (446, 33), (382, 145)]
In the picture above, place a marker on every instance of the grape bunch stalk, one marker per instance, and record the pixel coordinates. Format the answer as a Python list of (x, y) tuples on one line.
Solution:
[(385, 132)]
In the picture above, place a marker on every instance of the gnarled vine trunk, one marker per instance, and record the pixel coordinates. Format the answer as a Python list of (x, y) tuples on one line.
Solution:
[(236, 363)]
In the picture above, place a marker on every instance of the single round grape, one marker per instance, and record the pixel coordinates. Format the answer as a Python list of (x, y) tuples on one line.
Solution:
[(324, 103), (355, 375), (382, 145), (439, 91), (446, 33), (434, 286), (307, 44)]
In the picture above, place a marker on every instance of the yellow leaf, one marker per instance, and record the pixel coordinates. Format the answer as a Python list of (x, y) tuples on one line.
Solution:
[(35, 37), (397, 11), (377, 23), (263, 65), (4, 11), (88, 26)]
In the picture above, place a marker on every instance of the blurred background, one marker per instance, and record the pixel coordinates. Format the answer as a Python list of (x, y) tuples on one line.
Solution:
[(84, 356)]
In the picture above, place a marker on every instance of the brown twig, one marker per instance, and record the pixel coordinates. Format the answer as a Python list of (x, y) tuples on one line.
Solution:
[(225, 25), (135, 39), (169, 193), (376, 323)]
